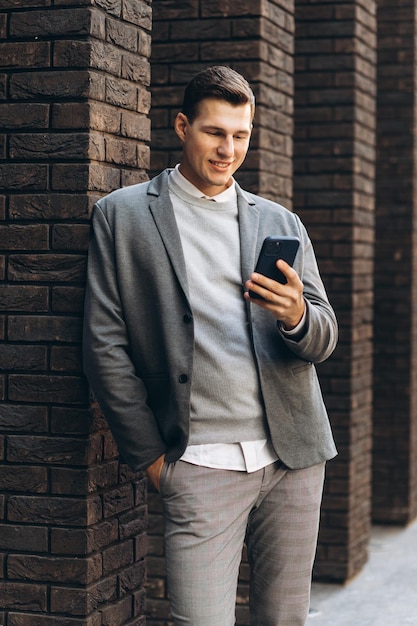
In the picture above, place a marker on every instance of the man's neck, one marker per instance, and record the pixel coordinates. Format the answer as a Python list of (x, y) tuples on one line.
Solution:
[(186, 185)]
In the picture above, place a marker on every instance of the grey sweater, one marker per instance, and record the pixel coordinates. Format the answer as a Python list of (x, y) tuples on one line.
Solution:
[(225, 401)]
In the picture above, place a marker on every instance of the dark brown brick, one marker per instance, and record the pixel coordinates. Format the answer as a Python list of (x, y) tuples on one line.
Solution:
[(33, 237), (19, 480), (50, 569), (135, 125), (2, 207), (71, 421), (49, 206), (33, 358), (27, 54), (78, 21), (63, 146), (44, 267), (82, 601), (112, 7), (132, 577), (118, 557), (122, 94), (66, 359), (36, 619), (3, 26), (20, 418), (56, 511), (66, 481), (56, 84), (104, 179), (172, 11), (218, 9), (117, 501), (138, 13), (13, 537), (30, 178), (23, 596), (120, 613), (133, 523), (53, 450), (121, 152), (56, 389), (44, 328), (122, 34), (21, 116), (104, 117), (23, 298), (67, 299), (74, 541), (71, 237)]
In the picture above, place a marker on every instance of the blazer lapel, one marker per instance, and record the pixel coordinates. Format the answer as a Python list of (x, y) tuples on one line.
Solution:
[(161, 208), (163, 214), (248, 229)]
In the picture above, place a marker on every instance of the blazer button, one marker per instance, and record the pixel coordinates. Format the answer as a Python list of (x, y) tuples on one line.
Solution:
[(187, 319), (183, 378)]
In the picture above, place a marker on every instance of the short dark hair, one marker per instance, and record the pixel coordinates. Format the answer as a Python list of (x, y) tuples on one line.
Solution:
[(220, 82)]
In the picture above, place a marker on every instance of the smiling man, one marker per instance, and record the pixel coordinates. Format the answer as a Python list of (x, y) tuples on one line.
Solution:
[(212, 391), (215, 143)]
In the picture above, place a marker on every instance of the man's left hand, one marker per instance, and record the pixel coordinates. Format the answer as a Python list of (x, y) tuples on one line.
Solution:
[(285, 302)]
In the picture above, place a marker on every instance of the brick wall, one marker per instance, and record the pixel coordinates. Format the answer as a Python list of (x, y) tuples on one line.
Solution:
[(253, 37), (334, 166), (74, 105), (395, 377)]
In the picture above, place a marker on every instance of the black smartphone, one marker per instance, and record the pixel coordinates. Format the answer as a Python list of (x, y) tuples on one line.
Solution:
[(274, 248)]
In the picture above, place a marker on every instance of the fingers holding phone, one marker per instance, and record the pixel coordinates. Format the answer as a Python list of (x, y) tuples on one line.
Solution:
[(275, 285)]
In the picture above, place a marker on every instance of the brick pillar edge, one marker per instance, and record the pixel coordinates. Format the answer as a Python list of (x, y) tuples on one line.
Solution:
[(74, 105), (335, 107), (395, 362), (255, 38)]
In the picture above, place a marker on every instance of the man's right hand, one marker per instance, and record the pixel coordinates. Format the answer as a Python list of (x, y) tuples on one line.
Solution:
[(154, 472)]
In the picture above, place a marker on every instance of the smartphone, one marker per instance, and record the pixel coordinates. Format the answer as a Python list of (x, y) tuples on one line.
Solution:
[(274, 248)]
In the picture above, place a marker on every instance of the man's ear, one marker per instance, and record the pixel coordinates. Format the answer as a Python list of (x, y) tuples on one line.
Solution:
[(180, 126)]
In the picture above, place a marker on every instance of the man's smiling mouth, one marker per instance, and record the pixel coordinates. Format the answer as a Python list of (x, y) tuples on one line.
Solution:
[(220, 164)]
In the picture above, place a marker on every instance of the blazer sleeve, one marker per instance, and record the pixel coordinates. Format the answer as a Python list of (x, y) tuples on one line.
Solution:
[(110, 371), (319, 337)]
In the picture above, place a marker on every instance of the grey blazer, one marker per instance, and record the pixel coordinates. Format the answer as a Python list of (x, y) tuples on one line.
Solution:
[(138, 329)]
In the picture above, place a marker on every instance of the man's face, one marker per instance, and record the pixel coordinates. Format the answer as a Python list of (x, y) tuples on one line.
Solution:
[(214, 144)]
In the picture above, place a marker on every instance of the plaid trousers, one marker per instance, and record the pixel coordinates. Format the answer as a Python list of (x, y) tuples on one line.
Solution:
[(210, 513)]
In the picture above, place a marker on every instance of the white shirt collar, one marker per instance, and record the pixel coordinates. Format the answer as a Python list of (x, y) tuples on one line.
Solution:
[(224, 196)]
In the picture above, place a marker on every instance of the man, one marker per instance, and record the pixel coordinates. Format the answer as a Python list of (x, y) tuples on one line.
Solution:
[(212, 391)]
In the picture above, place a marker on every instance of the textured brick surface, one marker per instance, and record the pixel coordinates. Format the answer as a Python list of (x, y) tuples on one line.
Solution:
[(334, 165), (74, 110), (395, 382), (255, 38)]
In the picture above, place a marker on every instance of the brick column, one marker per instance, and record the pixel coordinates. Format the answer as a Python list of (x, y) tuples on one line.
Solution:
[(395, 385), (334, 194), (73, 112), (256, 38)]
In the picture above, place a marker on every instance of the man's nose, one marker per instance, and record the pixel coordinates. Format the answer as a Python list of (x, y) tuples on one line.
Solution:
[(227, 146)]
